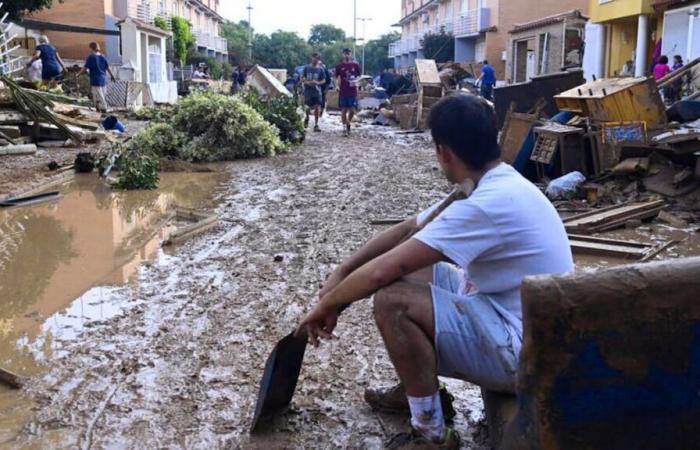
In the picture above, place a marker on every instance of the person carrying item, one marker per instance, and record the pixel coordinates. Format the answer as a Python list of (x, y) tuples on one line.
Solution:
[(98, 67), (346, 73), (447, 301), (314, 77), (487, 80), (52, 65)]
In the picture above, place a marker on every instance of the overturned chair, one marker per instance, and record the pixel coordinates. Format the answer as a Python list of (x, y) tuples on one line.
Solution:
[(610, 360)]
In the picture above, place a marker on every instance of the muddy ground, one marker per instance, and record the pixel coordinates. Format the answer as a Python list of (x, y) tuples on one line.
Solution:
[(180, 367)]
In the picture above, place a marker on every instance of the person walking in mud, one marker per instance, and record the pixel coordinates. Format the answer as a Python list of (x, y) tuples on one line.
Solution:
[(52, 66), (347, 72), (447, 301), (98, 67), (313, 77)]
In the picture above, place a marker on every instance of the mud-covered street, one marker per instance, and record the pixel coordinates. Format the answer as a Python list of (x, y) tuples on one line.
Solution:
[(178, 364)]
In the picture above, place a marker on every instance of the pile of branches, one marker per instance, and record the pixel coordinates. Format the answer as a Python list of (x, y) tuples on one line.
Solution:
[(203, 127), (281, 111)]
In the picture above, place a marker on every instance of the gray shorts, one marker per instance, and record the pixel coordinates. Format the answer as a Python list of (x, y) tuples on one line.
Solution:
[(476, 339)]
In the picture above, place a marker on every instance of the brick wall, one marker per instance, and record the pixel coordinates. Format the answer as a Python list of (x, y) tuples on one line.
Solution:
[(85, 13)]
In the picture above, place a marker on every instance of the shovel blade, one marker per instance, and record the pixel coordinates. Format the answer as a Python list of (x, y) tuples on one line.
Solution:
[(280, 378)]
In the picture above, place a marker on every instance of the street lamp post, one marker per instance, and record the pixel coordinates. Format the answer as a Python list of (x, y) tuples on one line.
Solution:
[(354, 26), (250, 33), (364, 21)]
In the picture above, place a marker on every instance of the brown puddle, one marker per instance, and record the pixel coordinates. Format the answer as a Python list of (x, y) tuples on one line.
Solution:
[(62, 263)]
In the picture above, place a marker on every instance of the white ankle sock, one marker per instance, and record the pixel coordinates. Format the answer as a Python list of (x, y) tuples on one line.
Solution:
[(426, 416)]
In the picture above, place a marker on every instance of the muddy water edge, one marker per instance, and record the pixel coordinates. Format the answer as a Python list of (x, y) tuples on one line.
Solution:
[(63, 265)]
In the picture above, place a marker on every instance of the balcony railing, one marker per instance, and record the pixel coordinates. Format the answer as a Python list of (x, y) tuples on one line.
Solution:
[(472, 22), (210, 41), (147, 11)]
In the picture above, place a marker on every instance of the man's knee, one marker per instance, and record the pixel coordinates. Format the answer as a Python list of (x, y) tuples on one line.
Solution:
[(389, 302)]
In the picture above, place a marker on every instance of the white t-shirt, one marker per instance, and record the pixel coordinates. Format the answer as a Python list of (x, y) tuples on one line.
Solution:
[(505, 231)]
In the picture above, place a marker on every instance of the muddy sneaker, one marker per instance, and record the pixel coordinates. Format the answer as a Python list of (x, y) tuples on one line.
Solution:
[(394, 401), (317, 128), (348, 131), (415, 440), (306, 123)]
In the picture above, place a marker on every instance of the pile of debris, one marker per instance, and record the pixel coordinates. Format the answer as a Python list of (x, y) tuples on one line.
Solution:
[(31, 119)]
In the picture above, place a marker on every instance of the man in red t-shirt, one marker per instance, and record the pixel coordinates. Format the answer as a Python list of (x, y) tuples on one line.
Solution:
[(347, 73)]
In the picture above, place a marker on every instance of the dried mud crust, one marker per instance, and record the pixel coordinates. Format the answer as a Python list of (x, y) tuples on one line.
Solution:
[(184, 363)]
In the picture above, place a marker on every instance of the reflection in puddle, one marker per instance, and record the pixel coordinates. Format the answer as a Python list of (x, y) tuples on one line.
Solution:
[(61, 263)]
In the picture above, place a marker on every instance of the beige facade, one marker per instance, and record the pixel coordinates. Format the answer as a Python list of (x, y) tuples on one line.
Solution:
[(481, 27)]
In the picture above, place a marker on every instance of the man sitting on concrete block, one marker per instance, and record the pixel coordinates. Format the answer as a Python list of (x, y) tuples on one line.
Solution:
[(447, 301)]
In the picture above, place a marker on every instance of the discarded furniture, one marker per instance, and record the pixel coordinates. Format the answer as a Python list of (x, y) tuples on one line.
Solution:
[(525, 96), (610, 360), (429, 87), (559, 147), (265, 83), (199, 223), (515, 130), (617, 100), (612, 217)]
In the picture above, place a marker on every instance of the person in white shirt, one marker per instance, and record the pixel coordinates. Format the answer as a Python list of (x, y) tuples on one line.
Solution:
[(447, 301)]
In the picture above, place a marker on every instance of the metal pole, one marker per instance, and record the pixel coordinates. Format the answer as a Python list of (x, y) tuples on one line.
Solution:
[(364, 41), (250, 33), (354, 27)]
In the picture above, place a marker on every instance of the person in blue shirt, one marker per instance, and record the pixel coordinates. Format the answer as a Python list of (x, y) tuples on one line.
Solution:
[(488, 81), (98, 67), (51, 63)]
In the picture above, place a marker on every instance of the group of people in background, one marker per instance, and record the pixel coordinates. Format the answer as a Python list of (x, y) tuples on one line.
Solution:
[(673, 92), (53, 69), (317, 80)]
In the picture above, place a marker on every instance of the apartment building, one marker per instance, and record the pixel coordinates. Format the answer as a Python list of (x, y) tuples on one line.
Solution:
[(106, 15), (480, 27), (629, 33)]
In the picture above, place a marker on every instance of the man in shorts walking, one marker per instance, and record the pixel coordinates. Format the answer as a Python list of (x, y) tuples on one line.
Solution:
[(314, 77), (347, 72), (98, 67), (447, 301)]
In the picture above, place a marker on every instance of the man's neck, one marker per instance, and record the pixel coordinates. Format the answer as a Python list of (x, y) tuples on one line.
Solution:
[(477, 176)]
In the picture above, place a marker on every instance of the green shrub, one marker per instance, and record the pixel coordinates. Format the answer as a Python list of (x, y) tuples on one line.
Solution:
[(282, 112), (160, 139), (137, 170), (161, 113), (223, 128)]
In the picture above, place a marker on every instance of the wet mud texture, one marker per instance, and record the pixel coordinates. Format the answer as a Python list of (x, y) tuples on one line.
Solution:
[(181, 368)]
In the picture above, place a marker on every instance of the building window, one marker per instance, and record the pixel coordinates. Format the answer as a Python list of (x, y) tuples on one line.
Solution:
[(176, 8)]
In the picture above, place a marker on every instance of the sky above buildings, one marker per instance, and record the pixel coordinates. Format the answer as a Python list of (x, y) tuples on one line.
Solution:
[(300, 15)]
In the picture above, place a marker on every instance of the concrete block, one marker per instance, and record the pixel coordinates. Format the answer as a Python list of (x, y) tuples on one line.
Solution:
[(611, 359)]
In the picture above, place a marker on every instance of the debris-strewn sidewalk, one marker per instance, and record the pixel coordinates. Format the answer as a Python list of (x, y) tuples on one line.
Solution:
[(181, 367)]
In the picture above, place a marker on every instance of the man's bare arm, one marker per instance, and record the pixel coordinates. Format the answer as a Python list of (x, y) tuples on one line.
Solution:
[(375, 247)]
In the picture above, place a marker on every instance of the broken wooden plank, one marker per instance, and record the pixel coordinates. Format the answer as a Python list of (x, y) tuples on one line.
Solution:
[(609, 247), (612, 217), (12, 117), (386, 221), (427, 72), (672, 220), (92, 126), (11, 131), (11, 379), (203, 223), (22, 149)]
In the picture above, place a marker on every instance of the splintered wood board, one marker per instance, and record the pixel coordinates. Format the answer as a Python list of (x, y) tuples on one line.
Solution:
[(609, 247), (612, 217), (427, 72)]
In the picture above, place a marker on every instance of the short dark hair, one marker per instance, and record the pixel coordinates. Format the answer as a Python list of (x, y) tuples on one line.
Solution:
[(315, 55), (94, 46), (466, 124), (486, 61), (678, 58), (347, 50), (663, 59)]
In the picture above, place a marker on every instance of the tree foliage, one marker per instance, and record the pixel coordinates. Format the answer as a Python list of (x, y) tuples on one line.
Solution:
[(237, 35), (326, 34), (377, 53), (439, 46), (183, 39), (281, 49), (16, 8)]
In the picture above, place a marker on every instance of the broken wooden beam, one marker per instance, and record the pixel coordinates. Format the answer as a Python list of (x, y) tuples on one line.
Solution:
[(12, 117), (22, 149), (11, 379), (606, 219), (203, 222), (594, 245)]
